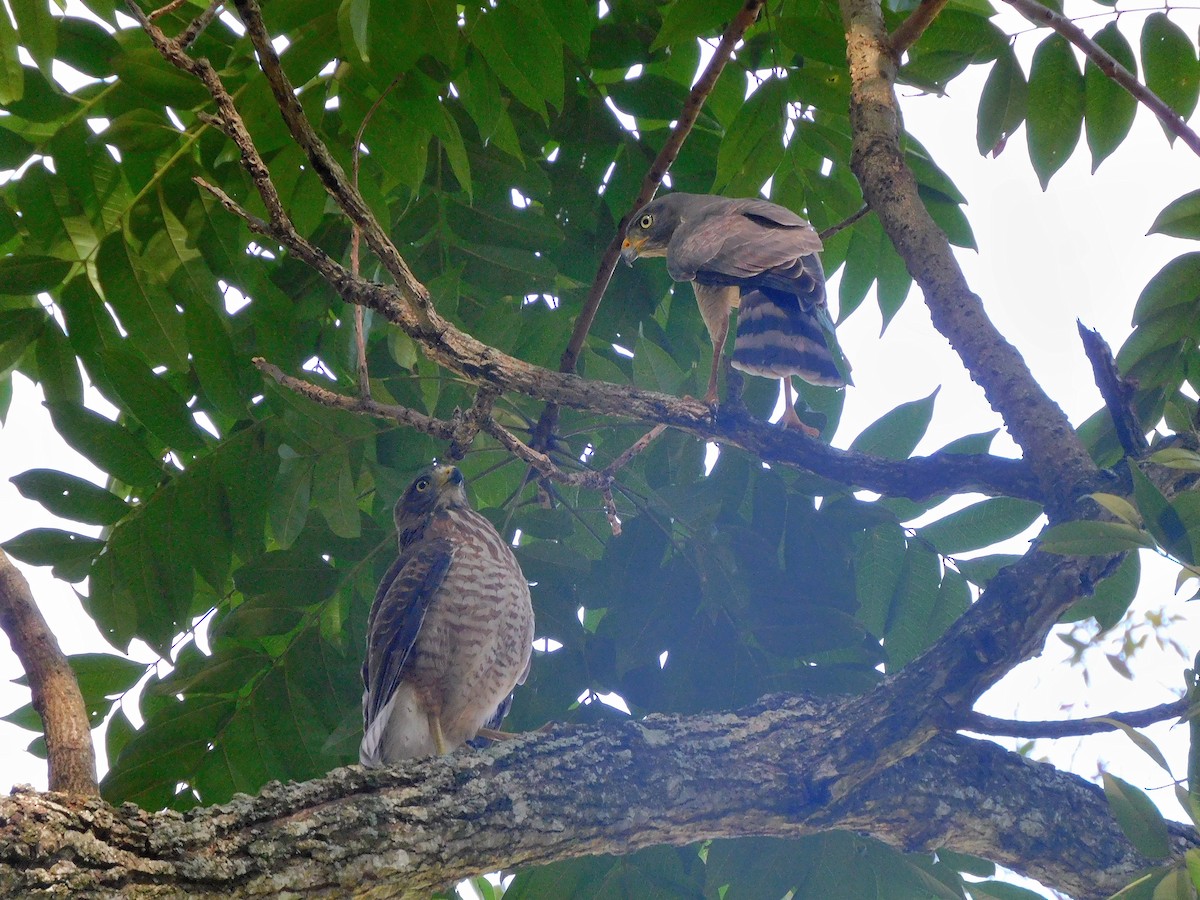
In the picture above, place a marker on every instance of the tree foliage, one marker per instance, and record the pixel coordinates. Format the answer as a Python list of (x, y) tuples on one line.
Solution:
[(492, 155)]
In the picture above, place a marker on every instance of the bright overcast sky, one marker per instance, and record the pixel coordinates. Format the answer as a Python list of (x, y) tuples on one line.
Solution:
[(1077, 250)]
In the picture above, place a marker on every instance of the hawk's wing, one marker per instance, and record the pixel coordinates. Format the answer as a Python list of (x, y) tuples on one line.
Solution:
[(748, 249), (401, 603)]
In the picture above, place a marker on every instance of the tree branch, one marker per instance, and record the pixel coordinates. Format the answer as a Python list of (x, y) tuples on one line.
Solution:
[(910, 30), (56, 696), (917, 478), (1041, 15), (579, 791), (981, 724), (1116, 391), (1037, 424)]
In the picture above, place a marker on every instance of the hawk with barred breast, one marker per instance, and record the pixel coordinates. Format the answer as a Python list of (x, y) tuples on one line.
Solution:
[(450, 633)]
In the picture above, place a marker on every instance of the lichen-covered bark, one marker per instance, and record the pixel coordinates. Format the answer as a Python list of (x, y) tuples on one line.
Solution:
[(573, 792)]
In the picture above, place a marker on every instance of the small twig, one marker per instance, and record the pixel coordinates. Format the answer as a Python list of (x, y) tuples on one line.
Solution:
[(610, 511), (1117, 392), (844, 224), (1172, 121), (634, 449), (468, 424), (981, 724), (908, 31), (401, 415), (360, 337), (165, 10), (198, 24), (71, 759)]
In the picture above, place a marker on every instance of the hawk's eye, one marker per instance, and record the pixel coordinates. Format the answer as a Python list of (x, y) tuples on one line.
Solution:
[(422, 484), (645, 221)]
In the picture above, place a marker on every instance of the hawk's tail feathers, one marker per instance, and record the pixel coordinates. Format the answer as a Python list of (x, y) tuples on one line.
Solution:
[(774, 341)]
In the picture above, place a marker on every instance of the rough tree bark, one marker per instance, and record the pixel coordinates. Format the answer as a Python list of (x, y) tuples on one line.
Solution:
[(575, 792)]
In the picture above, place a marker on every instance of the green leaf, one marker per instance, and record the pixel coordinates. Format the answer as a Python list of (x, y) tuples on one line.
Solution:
[(686, 20), (353, 22), (753, 144), (108, 444), (1002, 103), (19, 329), (31, 274), (655, 369), (1108, 108), (39, 33), (1169, 59), (84, 45), (144, 70), (1055, 113), (981, 524), (1175, 284), (138, 294), (58, 368), (913, 605), (1180, 219), (69, 554), (525, 53), (12, 74), (1111, 598), (1161, 519), (1138, 817), (1002, 890), (896, 433), (1119, 507), (152, 401), (1093, 538), (333, 492), (1177, 458), (71, 497), (1140, 740), (878, 562)]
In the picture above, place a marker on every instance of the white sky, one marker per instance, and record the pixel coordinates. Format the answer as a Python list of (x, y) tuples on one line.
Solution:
[(1077, 250)]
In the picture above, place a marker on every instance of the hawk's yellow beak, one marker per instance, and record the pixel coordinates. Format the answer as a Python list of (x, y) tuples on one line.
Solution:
[(630, 248)]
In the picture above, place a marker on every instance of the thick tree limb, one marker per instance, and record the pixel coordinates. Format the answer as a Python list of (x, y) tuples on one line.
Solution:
[(1042, 15), (574, 792), (1036, 422), (981, 724), (56, 695)]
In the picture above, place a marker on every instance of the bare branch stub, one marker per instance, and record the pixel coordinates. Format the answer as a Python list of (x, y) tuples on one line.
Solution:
[(71, 758), (1117, 392)]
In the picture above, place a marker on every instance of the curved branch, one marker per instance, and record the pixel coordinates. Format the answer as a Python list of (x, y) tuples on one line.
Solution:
[(917, 478), (1041, 15), (1036, 422), (71, 758), (981, 724), (407, 830)]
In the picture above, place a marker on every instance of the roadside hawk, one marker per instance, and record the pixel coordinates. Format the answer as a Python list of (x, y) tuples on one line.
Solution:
[(450, 633), (762, 259)]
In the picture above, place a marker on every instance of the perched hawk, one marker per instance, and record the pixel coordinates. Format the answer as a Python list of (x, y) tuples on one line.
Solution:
[(451, 629), (758, 257)]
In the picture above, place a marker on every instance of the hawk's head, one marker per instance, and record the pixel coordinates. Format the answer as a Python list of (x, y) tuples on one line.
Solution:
[(652, 228), (437, 487)]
